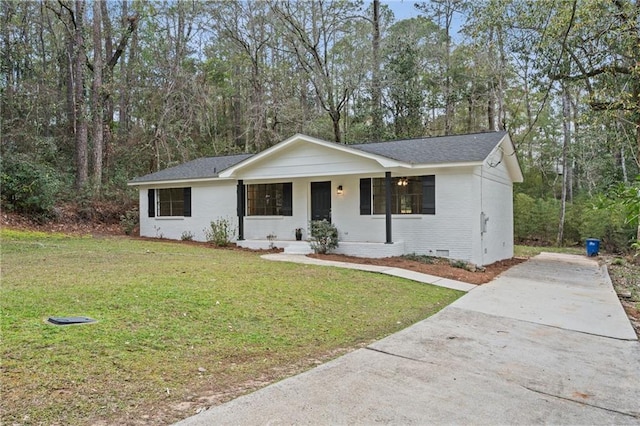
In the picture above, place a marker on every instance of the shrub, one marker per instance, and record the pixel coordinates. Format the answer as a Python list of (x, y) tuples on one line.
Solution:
[(422, 258), (129, 220), (606, 220), (28, 187), (187, 236), (220, 232), (324, 236), (535, 219)]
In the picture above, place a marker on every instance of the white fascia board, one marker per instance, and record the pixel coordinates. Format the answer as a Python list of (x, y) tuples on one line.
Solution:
[(510, 158), (383, 161), (444, 165), (176, 181)]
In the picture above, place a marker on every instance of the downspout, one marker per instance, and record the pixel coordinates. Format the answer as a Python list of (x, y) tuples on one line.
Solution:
[(387, 187), (241, 209)]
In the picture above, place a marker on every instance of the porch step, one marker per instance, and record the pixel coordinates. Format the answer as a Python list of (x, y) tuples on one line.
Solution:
[(297, 247)]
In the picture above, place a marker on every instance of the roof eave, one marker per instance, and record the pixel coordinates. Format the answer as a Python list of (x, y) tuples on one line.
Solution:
[(176, 181), (445, 165)]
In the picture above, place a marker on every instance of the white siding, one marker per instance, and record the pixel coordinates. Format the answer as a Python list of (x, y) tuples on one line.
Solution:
[(449, 230), (307, 159), (497, 204), (209, 201)]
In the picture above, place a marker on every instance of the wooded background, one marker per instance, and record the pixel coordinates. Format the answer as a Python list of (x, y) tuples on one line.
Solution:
[(95, 93)]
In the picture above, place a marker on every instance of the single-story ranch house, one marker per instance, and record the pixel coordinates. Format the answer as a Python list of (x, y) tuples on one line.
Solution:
[(448, 196)]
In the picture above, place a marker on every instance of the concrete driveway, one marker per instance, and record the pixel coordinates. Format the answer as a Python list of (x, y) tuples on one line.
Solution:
[(546, 342)]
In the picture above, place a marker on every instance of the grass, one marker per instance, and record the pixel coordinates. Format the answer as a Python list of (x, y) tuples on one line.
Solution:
[(530, 251), (175, 321)]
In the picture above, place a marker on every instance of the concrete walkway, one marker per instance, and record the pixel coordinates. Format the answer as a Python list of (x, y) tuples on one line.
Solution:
[(546, 342), (396, 272)]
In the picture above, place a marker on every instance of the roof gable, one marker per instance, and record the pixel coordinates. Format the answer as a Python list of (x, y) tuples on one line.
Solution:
[(303, 139)]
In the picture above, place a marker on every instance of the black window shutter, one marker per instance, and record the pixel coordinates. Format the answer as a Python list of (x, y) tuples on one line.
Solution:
[(187, 202), (365, 196), (287, 199), (429, 194), (151, 197)]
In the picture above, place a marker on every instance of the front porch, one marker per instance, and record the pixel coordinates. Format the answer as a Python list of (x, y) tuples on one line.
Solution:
[(349, 248)]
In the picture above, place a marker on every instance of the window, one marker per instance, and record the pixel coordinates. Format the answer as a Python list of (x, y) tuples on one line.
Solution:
[(171, 202), (409, 195), (269, 199)]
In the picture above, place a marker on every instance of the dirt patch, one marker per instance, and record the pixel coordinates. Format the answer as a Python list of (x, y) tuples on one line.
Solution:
[(440, 267), (72, 219), (625, 275)]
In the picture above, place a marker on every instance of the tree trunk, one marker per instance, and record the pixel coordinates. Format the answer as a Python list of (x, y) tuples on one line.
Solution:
[(491, 88), (97, 106), (79, 64), (376, 95), (566, 127), (335, 119), (448, 89)]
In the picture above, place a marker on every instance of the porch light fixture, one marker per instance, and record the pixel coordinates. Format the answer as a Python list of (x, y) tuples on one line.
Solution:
[(403, 182), (339, 191)]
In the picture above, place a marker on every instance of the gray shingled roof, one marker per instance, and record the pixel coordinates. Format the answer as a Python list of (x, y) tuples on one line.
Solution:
[(207, 167), (433, 150), (436, 150)]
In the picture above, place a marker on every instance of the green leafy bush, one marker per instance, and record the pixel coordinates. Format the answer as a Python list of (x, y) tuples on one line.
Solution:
[(535, 219), (422, 258), (324, 236), (220, 232), (129, 220), (606, 218), (28, 187), (602, 217)]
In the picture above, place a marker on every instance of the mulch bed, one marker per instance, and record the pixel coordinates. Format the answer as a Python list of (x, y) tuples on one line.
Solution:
[(440, 267)]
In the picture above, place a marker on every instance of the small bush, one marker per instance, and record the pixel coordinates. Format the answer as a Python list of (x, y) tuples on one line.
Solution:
[(187, 236), (422, 258), (271, 238), (459, 264), (324, 236), (129, 220), (618, 261), (220, 232)]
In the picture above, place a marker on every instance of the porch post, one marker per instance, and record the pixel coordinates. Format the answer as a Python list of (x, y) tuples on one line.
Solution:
[(240, 205), (387, 204)]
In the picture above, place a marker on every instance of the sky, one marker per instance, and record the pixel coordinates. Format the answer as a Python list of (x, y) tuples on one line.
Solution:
[(402, 9), (405, 9)]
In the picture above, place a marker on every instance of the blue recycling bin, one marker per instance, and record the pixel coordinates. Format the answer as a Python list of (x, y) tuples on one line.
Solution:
[(593, 246)]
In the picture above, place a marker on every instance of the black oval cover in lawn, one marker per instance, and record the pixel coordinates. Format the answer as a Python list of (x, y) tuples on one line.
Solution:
[(70, 320)]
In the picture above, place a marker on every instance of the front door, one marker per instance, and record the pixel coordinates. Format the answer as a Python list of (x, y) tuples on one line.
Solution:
[(321, 201)]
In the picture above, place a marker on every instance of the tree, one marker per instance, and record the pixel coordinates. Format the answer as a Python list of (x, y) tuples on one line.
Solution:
[(376, 90), (97, 101), (443, 11), (410, 77), (312, 30)]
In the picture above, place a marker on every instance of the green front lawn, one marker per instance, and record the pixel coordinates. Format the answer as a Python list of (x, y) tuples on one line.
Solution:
[(176, 321)]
